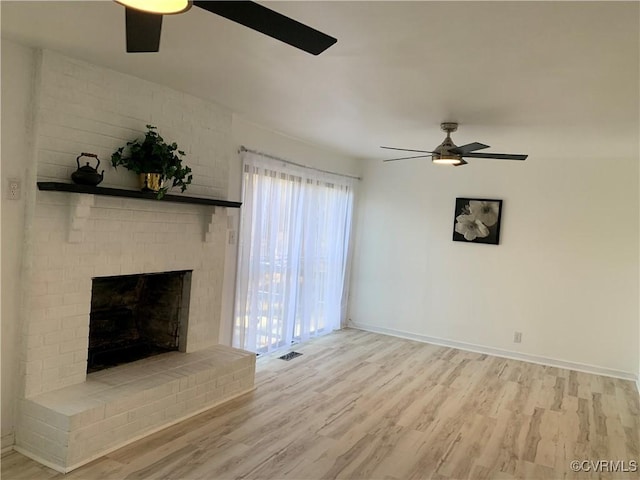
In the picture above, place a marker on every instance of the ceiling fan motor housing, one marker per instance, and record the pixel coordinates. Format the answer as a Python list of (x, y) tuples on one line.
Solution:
[(442, 151), (449, 127)]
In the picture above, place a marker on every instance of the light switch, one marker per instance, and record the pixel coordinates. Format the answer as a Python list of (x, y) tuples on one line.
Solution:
[(13, 192)]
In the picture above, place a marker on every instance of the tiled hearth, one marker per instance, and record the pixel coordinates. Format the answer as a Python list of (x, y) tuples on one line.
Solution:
[(68, 427)]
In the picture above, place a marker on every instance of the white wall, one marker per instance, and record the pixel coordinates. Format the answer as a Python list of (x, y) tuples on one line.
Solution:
[(255, 137), (17, 85), (565, 274)]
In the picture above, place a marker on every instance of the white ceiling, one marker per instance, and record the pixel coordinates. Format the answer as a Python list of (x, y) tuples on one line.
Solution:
[(552, 77)]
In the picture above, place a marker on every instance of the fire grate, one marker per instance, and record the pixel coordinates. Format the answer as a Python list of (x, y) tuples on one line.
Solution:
[(289, 356)]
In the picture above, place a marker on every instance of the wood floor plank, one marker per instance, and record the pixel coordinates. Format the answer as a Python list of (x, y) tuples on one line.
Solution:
[(359, 405), (548, 445), (471, 440), (19, 467), (501, 450)]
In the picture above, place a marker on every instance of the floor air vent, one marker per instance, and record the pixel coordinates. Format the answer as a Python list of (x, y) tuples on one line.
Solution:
[(289, 356)]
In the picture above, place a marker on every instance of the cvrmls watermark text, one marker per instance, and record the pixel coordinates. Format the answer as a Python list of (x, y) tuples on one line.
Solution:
[(600, 466)]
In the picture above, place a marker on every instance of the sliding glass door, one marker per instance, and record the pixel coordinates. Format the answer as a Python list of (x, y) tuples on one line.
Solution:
[(293, 251)]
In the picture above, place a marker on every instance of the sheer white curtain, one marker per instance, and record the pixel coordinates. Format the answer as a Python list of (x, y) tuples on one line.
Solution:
[(293, 253)]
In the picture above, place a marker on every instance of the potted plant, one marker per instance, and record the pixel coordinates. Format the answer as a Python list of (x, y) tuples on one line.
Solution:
[(155, 161)]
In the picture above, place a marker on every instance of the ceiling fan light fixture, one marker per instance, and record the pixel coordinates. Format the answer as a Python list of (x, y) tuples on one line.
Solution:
[(447, 159), (164, 7)]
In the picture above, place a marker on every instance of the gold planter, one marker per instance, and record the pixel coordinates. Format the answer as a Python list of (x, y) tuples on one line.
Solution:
[(151, 182)]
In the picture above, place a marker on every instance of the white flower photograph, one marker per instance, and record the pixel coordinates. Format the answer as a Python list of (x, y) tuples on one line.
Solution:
[(477, 220)]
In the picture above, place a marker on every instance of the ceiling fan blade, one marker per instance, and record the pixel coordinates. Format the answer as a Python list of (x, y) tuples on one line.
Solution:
[(271, 23), (469, 147), (143, 31), (497, 156), (462, 162), (407, 150), (406, 158)]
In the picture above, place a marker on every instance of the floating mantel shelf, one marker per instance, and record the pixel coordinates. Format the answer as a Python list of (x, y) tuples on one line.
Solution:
[(118, 192)]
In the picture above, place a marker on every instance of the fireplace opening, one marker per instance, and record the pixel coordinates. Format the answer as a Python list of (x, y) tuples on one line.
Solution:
[(137, 316)]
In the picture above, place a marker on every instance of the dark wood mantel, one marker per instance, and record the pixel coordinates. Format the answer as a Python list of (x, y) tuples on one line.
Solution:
[(118, 192)]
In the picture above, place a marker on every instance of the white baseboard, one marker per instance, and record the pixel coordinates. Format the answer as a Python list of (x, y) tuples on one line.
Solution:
[(497, 352), (8, 439)]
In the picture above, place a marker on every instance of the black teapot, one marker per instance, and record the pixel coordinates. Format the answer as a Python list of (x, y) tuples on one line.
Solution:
[(87, 175)]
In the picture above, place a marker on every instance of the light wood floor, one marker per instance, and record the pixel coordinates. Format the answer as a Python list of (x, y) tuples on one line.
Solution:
[(362, 405)]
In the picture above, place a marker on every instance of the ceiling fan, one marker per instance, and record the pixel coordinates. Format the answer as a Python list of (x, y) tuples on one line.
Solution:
[(144, 23), (448, 153)]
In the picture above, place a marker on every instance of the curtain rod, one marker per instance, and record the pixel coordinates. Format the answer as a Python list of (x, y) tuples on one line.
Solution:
[(245, 149)]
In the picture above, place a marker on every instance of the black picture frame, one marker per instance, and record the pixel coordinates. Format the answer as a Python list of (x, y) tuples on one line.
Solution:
[(477, 220)]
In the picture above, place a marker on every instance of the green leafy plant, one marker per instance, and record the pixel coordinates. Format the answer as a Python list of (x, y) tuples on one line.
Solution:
[(154, 155)]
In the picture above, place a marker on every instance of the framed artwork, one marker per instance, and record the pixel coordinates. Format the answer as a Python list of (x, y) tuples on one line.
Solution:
[(477, 220)]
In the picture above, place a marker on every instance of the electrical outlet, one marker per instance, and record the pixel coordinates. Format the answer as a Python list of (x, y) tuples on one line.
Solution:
[(13, 192), (232, 237), (517, 337)]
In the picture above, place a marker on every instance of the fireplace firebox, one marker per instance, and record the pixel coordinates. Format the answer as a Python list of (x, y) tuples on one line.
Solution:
[(137, 316)]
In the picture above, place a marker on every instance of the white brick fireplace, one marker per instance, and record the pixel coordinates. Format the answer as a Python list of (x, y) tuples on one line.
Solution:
[(119, 237), (67, 418)]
